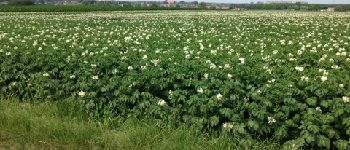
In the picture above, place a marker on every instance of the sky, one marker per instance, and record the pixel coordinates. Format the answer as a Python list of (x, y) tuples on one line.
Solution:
[(248, 1)]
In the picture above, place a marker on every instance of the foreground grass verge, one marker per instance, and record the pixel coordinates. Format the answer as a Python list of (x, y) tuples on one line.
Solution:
[(61, 126)]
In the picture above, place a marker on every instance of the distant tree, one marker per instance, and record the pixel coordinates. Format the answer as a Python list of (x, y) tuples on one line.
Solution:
[(154, 5), (342, 8), (41, 1), (21, 2), (202, 4), (298, 4)]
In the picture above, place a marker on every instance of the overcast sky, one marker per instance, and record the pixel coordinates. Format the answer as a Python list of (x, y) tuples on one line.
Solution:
[(248, 1)]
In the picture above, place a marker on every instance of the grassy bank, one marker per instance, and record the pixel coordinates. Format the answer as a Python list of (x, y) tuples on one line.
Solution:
[(61, 126)]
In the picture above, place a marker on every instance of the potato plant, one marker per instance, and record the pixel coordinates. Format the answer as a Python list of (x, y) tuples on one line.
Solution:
[(263, 74)]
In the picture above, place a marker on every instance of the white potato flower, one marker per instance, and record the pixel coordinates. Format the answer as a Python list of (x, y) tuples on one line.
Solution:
[(94, 77), (155, 61), (335, 67), (114, 71), (170, 92), (229, 76), (200, 90), (304, 78), (301, 69), (219, 96), (275, 52), (271, 120), (318, 109), (227, 66), (81, 93), (46, 75), (227, 125), (242, 60), (72, 76), (206, 76), (162, 102)]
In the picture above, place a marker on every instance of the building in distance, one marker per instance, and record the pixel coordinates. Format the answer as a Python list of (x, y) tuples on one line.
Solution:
[(170, 1)]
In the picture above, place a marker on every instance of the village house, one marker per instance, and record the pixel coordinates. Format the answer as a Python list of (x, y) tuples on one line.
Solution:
[(331, 9)]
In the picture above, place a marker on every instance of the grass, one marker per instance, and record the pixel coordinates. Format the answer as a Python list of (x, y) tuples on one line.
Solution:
[(62, 125)]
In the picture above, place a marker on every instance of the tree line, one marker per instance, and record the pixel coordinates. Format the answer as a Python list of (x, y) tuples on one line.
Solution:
[(260, 6), (294, 6)]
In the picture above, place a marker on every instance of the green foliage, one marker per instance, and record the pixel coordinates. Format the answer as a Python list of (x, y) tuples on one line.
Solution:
[(21, 2), (280, 75)]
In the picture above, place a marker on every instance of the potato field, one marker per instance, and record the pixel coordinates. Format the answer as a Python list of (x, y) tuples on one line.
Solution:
[(261, 74)]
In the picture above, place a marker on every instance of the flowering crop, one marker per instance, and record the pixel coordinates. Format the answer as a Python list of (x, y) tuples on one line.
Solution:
[(270, 74)]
